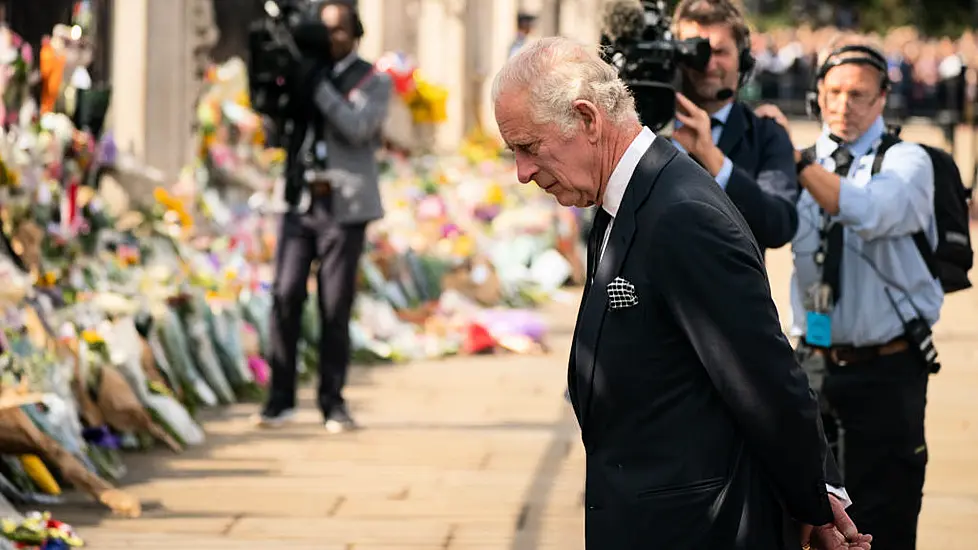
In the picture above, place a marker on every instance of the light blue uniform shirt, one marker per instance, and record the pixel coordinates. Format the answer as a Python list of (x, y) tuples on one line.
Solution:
[(879, 217), (722, 115)]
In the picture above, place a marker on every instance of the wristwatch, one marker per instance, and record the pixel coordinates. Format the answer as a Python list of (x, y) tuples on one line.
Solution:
[(807, 159)]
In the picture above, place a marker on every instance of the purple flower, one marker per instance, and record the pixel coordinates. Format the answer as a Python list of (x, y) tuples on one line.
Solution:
[(107, 150), (102, 437)]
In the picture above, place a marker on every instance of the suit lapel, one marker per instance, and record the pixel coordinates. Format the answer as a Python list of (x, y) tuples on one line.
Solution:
[(592, 242), (733, 131), (595, 301)]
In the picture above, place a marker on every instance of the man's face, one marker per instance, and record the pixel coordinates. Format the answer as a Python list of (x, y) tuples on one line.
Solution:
[(337, 19), (562, 166), (851, 99), (722, 70)]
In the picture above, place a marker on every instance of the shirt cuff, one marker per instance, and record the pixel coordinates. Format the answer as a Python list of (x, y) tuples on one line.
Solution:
[(853, 206), (724, 175), (840, 493)]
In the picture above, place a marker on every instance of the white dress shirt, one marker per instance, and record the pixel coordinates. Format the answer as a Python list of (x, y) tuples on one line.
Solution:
[(614, 193), (723, 176), (344, 63)]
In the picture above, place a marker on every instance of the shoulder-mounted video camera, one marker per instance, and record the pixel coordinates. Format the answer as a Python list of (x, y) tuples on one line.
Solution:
[(289, 37), (637, 39)]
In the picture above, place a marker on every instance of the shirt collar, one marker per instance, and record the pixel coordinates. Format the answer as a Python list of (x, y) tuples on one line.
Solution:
[(861, 146), (622, 174), (722, 115), (344, 64)]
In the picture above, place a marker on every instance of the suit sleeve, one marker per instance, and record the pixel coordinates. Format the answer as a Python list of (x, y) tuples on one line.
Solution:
[(359, 122), (833, 476), (767, 202), (714, 283)]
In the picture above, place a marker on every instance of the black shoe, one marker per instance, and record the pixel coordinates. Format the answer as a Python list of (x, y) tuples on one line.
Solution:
[(274, 417), (339, 420)]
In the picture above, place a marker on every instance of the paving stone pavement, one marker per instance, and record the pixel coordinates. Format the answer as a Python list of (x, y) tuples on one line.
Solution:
[(464, 454)]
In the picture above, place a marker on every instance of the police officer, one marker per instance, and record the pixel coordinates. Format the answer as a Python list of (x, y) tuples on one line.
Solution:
[(862, 295)]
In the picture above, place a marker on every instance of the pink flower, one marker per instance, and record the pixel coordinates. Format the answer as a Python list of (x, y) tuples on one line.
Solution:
[(260, 370), (27, 53)]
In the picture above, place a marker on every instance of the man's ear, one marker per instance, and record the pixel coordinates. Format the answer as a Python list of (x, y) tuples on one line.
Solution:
[(590, 116)]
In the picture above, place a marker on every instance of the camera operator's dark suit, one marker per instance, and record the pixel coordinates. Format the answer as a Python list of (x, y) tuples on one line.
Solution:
[(761, 180), (353, 105), (763, 184)]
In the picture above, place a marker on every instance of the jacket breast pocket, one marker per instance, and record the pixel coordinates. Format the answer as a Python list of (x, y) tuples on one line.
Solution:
[(627, 302)]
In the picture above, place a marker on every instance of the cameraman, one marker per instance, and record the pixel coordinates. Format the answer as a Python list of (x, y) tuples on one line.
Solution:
[(332, 189), (862, 293), (751, 158)]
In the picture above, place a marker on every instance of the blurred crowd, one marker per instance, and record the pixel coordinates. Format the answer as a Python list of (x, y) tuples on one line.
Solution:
[(932, 77)]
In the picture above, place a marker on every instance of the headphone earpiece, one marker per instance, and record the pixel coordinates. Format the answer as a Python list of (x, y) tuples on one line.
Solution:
[(745, 63), (811, 104), (357, 23)]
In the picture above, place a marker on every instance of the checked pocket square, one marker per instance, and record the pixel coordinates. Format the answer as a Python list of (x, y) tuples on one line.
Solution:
[(621, 294)]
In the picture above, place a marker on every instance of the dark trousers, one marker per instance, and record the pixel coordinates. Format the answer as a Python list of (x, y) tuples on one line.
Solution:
[(304, 237), (880, 407)]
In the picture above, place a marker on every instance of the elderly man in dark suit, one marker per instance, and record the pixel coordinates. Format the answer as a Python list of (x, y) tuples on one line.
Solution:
[(332, 187), (700, 428), (751, 158)]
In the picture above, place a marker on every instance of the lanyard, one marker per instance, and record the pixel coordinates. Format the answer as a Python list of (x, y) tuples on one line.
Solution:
[(825, 223)]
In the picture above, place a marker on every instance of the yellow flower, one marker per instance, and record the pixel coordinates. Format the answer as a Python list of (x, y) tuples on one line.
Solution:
[(243, 99), (258, 138), (175, 205), (162, 196), (494, 195), (464, 246), (428, 102), (160, 388), (91, 337)]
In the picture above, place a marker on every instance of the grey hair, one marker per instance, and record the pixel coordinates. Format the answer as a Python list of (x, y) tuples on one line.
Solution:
[(557, 71)]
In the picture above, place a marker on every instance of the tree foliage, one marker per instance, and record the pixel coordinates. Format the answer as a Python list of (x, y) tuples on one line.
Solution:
[(931, 17)]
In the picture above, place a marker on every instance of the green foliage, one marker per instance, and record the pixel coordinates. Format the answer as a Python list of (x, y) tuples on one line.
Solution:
[(770, 21), (881, 15), (934, 18)]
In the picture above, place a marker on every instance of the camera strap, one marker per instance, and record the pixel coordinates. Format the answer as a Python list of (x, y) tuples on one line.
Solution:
[(315, 150), (355, 76)]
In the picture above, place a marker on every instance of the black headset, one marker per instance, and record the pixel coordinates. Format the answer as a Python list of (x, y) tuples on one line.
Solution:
[(745, 61), (355, 20), (869, 56)]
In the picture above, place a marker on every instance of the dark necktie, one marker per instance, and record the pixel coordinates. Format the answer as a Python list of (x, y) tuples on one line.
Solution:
[(601, 220), (832, 268), (714, 122)]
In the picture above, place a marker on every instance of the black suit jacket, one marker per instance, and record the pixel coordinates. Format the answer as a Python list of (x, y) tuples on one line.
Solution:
[(763, 184), (700, 428)]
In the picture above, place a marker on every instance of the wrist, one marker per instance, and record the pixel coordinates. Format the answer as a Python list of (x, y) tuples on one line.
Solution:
[(802, 161), (713, 159)]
